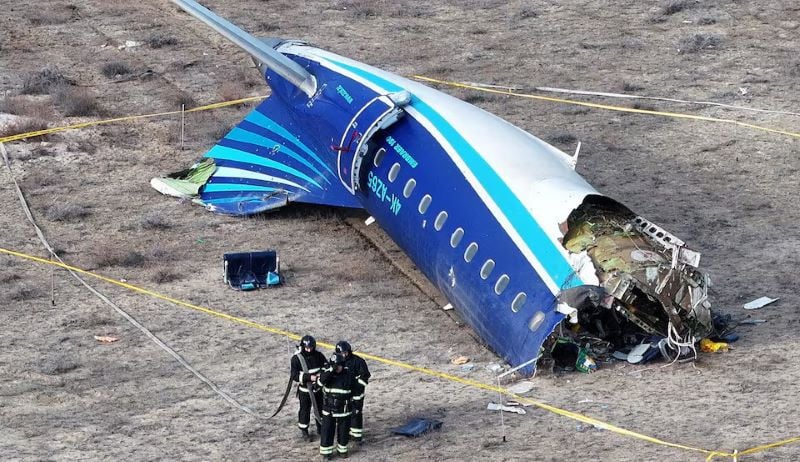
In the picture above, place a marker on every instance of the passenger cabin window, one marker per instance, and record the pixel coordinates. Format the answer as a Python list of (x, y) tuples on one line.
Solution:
[(440, 220), (519, 300), (536, 321), (455, 239), (410, 185), (487, 268), (469, 254), (393, 172), (424, 203), (379, 157), (501, 284)]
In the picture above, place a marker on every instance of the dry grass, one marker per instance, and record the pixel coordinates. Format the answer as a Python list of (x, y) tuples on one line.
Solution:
[(24, 291), (25, 125), (676, 6), (699, 42), (266, 27), (561, 138), (643, 106), (55, 365), (67, 212), (116, 69), (42, 178), (670, 8), (230, 91), (163, 276), (75, 102), (794, 69), (110, 255), (185, 100), (360, 9), (6, 278), (50, 17), (22, 105), (161, 40), (526, 13), (42, 82), (84, 146), (475, 98), (35, 153), (631, 87), (154, 221)]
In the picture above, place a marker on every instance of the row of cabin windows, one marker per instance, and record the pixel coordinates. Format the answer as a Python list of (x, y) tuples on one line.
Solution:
[(455, 240)]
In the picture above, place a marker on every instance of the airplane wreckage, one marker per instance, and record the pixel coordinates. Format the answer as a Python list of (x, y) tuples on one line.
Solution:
[(497, 219)]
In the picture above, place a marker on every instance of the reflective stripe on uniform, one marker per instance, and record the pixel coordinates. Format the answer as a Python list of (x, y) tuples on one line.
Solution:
[(336, 414), (302, 426), (356, 432), (363, 383), (341, 449), (359, 397), (312, 371), (338, 391), (303, 389), (325, 450)]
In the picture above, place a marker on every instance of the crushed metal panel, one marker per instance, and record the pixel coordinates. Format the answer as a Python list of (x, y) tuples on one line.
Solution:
[(650, 278)]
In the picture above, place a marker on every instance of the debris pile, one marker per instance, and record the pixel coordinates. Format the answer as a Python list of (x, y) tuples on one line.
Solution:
[(649, 298)]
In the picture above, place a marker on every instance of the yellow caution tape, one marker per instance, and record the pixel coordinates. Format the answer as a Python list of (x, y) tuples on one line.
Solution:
[(676, 115), (711, 454), (22, 136)]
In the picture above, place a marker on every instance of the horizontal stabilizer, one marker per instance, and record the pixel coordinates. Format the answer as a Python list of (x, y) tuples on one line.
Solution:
[(263, 163)]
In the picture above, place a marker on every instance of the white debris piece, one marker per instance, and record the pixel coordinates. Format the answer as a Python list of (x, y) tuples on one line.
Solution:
[(759, 302), (129, 44), (521, 387), (494, 367), (500, 407)]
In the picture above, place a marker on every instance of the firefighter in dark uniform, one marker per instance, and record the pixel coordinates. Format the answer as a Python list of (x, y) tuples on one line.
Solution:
[(307, 381), (360, 372), (337, 383)]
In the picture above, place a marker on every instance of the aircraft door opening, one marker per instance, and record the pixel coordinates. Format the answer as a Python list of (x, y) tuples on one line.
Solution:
[(354, 146)]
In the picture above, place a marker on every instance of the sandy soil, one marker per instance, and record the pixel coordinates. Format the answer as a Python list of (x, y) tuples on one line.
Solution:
[(728, 191)]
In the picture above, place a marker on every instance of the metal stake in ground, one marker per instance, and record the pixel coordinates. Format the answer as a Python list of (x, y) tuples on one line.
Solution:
[(183, 122), (52, 282), (502, 422)]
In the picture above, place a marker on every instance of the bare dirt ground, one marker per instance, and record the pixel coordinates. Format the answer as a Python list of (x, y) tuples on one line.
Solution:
[(730, 192)]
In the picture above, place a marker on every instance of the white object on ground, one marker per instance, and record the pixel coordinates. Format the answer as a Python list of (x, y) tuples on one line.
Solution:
[(521, 387), (759, 302), (499, 407), (635, 356), (494, 367)]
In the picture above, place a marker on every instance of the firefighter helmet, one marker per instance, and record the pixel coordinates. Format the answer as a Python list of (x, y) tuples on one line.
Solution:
[(343, 347), (308, 342)]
